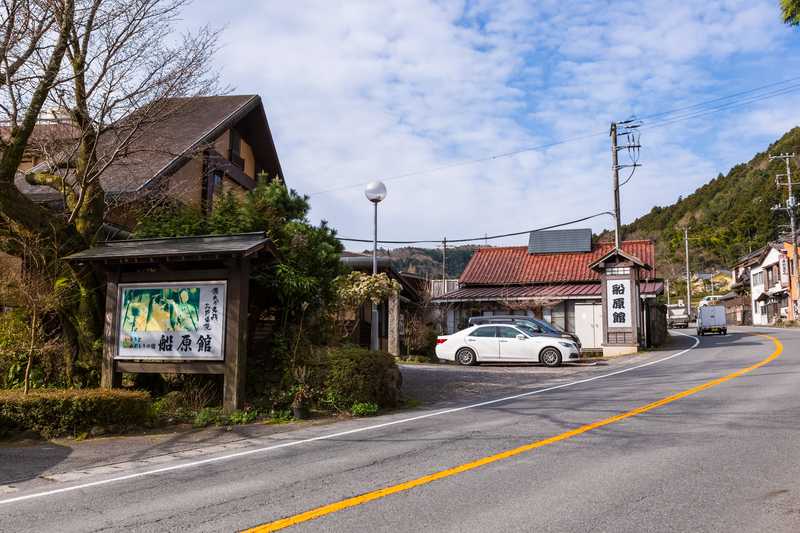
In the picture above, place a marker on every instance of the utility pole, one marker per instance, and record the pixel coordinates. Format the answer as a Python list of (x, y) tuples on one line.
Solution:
[(688, 278), (791, 204), (444, 263), (615, 171), (667, 280), (629, 130)]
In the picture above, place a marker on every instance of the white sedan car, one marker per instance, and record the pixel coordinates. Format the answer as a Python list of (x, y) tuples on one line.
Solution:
[(504, 343)]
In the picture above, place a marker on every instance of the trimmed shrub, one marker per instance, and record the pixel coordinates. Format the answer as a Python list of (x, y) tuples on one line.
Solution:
[(72, 412), (364, 409), (357, 375)]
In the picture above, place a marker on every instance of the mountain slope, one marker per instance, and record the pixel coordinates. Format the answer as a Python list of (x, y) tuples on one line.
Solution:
[(727, 217), (428, 261)]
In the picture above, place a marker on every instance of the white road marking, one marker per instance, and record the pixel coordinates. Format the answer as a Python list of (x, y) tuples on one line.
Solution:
[(329, 436)]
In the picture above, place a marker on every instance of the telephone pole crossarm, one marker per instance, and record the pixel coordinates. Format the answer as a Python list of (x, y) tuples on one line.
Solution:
[(790, 208)]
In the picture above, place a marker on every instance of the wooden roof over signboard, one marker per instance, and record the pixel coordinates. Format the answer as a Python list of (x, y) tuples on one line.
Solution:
[(177, 248)]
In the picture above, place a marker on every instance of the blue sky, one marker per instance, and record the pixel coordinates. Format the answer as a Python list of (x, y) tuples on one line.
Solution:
[(362, 90)]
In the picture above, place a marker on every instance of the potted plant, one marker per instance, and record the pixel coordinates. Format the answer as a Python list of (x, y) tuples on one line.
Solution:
[(300, 402)]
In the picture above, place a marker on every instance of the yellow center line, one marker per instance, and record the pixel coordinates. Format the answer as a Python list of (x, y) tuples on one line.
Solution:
[(401, 487)]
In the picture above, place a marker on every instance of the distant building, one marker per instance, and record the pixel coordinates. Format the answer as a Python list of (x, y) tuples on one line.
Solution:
[(769, 286), (192, 150), (716, 282), (551, 279)]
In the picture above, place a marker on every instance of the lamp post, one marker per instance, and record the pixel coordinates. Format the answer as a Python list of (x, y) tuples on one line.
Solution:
[(375, 192)]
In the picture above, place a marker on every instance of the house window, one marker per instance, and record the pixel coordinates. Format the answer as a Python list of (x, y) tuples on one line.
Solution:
[(618, 271), (234, 155)]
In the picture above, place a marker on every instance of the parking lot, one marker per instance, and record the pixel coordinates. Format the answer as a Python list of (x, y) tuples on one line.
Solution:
[(450, 384)]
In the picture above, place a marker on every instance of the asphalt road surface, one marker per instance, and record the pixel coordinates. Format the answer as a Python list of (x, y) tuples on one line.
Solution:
[(701, 438)]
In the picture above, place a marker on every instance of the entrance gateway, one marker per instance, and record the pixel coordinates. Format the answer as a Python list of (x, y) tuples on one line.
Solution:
[(621, 307), (178, 306)]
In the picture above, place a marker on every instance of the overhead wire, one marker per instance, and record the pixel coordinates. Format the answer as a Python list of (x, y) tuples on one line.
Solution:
[(483, 237), (699, 111), (466, 162), (694, 111)]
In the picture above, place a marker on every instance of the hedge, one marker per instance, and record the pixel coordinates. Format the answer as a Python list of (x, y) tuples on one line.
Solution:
[(72, 412), (357, 375)]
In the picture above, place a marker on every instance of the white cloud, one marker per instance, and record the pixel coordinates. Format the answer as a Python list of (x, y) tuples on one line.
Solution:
[(360, 90)]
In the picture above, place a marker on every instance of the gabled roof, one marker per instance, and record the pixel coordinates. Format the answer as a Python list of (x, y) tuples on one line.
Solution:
[(753, 257), (164, 144), (176, 248), (513, 265), (596, 265)]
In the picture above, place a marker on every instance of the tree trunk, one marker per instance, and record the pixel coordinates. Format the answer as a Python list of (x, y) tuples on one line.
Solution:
[(82, 321), (27, 381), (81, 311)]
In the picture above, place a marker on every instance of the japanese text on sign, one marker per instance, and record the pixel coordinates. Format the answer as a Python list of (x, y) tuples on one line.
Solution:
[(171, 321), (618, 299)]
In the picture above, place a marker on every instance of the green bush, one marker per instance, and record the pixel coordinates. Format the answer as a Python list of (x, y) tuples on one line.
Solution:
[(357, 375), (242, 417), (364, 409), (207, 416), (72, 412)]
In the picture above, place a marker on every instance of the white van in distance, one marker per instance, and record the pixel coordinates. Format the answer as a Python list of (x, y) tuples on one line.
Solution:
[(711, 319)]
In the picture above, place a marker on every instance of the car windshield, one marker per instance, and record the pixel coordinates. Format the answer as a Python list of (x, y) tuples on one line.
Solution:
[(550, 328)]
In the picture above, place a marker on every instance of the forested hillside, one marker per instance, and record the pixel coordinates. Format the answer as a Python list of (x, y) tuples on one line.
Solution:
[(428, 261), (727, 217)]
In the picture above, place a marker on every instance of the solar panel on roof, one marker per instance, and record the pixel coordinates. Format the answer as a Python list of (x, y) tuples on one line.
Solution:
[(560, 241)]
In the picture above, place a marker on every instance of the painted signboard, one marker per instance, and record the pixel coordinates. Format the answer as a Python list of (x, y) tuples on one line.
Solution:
[(783, 263), (171, 321), (618, 302)]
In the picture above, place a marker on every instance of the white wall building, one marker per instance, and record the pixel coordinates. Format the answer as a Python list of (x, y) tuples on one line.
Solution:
[(769, 282)]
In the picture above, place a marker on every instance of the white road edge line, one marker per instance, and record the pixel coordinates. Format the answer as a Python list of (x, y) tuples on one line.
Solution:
[(341, 433)]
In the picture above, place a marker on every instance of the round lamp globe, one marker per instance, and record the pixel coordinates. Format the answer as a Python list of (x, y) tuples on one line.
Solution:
[(375, 191)]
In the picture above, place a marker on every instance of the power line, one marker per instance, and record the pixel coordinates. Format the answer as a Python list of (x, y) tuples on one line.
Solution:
[(482, 238), (698, 108), (464, 162), (725, 107), (721, 98)]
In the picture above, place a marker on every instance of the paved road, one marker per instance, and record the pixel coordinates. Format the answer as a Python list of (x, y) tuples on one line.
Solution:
[(722, 457)]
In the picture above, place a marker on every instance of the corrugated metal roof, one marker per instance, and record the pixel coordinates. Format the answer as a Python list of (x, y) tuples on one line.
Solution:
[(515, 266), (560, 241), (539, 292)]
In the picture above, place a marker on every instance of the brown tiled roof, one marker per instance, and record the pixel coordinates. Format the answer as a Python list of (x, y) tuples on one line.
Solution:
[(513, 265), (188, 123), (46, 132), (182, 126), (544, 291)]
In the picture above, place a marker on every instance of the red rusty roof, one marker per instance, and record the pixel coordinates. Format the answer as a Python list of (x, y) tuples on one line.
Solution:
[(541, 292), (513, 265)]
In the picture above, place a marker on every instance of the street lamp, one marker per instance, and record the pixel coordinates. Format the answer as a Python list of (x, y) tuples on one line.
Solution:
[(375, 192)]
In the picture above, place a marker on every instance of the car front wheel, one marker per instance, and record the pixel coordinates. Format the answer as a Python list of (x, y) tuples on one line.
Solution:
[(466, 357), (550, 357)]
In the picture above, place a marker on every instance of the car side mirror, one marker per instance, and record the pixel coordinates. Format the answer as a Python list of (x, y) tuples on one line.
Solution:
[(521, 337)]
